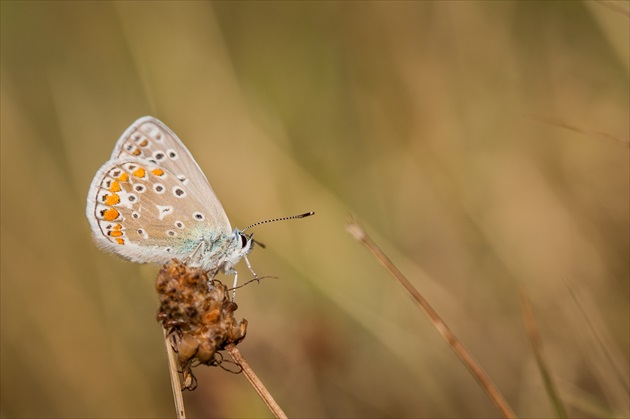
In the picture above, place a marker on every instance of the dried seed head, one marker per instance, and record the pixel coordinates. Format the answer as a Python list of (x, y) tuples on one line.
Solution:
[(198, 314)]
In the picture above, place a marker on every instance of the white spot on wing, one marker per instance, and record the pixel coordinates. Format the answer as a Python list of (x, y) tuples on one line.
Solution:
[(164, 210)]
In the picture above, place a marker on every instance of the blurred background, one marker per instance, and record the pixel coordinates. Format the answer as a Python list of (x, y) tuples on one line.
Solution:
[(483, 146)]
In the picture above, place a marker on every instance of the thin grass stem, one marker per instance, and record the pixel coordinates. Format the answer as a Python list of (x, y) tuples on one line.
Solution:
[(255, 382), (534, 338), (475, 369), (175, 383)]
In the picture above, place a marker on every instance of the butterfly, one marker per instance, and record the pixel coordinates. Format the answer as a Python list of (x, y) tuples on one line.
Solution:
[(150, 202)]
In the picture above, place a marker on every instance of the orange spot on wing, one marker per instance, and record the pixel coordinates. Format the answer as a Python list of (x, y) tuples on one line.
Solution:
[(157, 172), (124, 177), (117, 226), (110, 214), (144, 143), (115, 187), (136, 152), (139, 172), (116, 233), (112, 199), (120, 241)]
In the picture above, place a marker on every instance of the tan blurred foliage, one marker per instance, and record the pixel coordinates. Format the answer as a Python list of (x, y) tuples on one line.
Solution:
[(471, 139)]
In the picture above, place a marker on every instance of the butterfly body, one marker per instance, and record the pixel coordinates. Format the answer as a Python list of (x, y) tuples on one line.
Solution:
[(151, 202)]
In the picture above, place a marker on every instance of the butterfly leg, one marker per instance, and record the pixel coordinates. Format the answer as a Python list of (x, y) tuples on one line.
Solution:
[(233, 271), (234, 286), (249, 265), (201, 246)]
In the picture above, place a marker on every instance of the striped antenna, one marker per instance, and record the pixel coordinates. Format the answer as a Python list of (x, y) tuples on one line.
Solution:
[(306, 214)]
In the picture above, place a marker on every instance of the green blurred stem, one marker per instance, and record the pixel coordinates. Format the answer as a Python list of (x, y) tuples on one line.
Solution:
[(534, 338)]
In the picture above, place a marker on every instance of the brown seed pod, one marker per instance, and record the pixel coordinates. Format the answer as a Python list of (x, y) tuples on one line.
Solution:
[(198, 314)]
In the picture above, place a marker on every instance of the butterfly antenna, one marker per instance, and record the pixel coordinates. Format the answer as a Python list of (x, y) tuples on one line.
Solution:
[(306, 214)]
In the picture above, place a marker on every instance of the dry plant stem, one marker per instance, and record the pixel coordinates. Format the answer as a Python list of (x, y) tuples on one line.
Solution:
[(255, 382), (615, 6), (589, 133), (175, 383), (616, 369), (534, 338), (495, 395)]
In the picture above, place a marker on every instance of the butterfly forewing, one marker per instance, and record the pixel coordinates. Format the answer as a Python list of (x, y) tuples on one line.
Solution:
[(143, 212), (150, 140)]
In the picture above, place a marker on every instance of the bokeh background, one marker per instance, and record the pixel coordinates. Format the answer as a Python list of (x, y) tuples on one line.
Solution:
[(483, 145)]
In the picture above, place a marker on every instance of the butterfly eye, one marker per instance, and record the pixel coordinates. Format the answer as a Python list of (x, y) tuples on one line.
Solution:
[(243, 240)]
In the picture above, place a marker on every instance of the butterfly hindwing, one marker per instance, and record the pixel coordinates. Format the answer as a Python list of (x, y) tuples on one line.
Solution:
[(143, 212)]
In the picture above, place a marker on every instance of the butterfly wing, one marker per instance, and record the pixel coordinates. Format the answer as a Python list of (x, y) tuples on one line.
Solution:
[(151, 140), (144, 212)]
